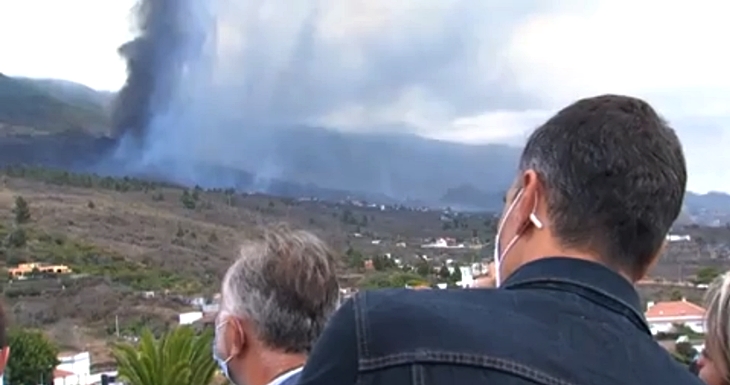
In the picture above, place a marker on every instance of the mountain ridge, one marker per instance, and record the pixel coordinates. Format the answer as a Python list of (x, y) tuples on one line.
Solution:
[(31, 104), (394, 167)]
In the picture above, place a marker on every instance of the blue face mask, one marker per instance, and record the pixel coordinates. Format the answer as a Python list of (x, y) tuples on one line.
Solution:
[(222, 363)]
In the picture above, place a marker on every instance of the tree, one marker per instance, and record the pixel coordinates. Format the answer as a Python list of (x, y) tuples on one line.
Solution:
[(348, 218), (187, 200), (684, 352), (706, 275), (179, 357), (390, 280), (423, 268), (382, 263), (196, 193), (21, 210), (354, 258), (675, 295), (456, 276), (33, 358), (17, 237), (444, 272)]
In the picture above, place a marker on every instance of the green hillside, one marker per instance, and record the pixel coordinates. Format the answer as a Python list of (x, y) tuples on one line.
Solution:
[(39, 106)]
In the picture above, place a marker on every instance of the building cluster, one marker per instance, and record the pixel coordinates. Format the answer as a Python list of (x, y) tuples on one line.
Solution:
[(26, 270), (74, 368)]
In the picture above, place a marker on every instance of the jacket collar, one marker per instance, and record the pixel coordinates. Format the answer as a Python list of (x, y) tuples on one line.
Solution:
[(607, 286)]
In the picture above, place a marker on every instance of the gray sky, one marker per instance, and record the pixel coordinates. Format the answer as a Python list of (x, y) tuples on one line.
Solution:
[(461, 70)]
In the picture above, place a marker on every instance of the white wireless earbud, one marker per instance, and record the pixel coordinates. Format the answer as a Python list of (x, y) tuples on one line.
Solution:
[(535, 221), (533, 218)]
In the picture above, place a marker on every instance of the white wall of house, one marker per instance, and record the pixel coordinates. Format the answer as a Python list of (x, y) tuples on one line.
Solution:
[(88, 379), (467, 279), (665, 325), (78, 364), (189, 318)]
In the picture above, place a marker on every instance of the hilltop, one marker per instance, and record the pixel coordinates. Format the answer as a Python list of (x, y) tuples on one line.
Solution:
[(44, 106)]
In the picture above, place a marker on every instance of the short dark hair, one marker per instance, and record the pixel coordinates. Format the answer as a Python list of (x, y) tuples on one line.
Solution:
[(615, 177)]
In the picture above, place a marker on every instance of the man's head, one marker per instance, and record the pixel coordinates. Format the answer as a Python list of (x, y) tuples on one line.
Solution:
[(605, 178), (275, 301), (4, 347)]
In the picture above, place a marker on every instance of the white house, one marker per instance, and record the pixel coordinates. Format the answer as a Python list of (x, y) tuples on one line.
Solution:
[(662, 316), (678, 238), (467, 278), (437, 244), (75, 369), (189, 318)]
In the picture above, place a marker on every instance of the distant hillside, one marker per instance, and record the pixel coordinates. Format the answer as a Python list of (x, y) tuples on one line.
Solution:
[(404, 167), (288, 161), (74, 93), (43, 106), (711, 209), (468, 197), (713, 200)]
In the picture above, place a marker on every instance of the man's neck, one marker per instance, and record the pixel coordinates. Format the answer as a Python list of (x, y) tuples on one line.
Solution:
[(270, 366), (576, 254)]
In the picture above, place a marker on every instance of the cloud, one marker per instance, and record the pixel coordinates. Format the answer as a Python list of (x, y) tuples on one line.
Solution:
[(363, 64), (458, 70), (667, 53), (532, 62)]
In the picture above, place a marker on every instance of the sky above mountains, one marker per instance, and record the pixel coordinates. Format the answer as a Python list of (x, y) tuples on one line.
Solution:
[(459, 70)]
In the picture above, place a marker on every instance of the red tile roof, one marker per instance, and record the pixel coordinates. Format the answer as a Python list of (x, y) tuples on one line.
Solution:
[(58, 373), (674, 309)]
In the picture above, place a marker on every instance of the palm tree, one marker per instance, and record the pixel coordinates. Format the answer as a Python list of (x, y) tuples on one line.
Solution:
[(180, 357)]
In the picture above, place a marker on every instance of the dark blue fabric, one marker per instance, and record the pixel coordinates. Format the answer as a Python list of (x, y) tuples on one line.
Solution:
[(556, 321), (292, 380)]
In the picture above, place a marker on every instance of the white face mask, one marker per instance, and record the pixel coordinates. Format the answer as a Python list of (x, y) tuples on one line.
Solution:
[(222, 362), (499, 255)]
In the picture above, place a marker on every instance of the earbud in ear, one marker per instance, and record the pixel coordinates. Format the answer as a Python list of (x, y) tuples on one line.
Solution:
[(535, 221)]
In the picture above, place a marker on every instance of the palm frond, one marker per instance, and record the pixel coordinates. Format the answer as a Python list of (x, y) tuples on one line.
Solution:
[(179, 357)]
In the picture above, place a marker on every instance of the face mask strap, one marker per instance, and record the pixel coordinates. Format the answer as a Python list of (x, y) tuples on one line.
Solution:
[(215, 342), (499, 254)]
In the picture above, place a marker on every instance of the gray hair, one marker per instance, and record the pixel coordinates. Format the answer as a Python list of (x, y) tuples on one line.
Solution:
[(717, 319), (286, 284)]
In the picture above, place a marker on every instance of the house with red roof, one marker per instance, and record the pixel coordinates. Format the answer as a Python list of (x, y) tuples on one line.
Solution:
[(663, 316)]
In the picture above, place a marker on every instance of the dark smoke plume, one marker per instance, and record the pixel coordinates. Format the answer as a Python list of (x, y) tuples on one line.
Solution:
[(155, 60)]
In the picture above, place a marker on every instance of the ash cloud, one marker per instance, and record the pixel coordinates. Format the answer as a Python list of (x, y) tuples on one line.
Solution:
[(166, 42), (242, 84)]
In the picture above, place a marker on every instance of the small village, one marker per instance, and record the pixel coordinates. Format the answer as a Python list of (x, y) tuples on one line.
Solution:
[(676, 322)]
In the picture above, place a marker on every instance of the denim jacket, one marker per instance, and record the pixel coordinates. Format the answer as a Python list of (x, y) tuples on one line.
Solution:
[(555, 321)]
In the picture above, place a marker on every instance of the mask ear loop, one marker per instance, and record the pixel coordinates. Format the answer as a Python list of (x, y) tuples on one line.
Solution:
[(498, 254), (535, 222)]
